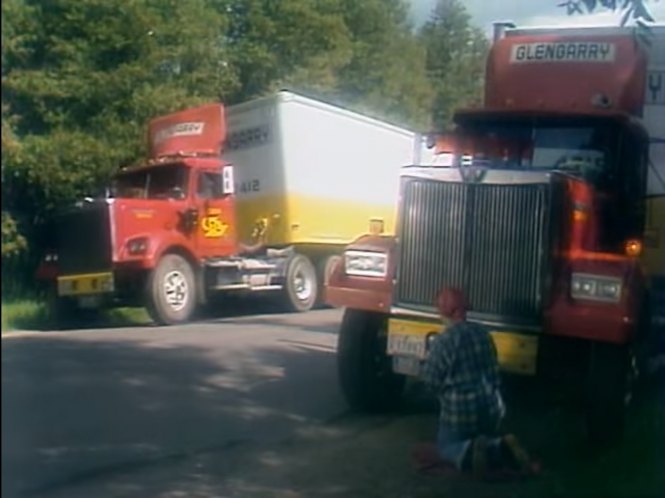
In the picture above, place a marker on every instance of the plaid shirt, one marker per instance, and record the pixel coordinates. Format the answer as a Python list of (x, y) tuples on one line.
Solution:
[(462, 369)]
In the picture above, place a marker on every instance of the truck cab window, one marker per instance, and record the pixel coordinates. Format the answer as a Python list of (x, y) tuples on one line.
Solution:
[(158, 182), (210, 185), (576, 147)]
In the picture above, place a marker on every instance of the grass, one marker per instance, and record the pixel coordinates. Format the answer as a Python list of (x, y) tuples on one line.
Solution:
[(33, 315), (371, 456), (632, 468), (375, 462), (21, 314)]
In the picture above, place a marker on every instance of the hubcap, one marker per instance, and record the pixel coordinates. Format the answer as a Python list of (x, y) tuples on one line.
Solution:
[(176, 291), (302, 285)]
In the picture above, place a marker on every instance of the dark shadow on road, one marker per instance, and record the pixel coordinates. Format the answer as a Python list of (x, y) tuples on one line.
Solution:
[(218, 310), (76, 412), (114, 419)]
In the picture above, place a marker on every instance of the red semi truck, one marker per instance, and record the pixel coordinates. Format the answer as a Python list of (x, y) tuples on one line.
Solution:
[(547, 206), (186, 225), (145, 242)]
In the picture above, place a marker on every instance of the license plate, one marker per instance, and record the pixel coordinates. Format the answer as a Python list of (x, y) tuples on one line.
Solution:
[(517, 352), (91, 283), (406, 365), (407, 345)]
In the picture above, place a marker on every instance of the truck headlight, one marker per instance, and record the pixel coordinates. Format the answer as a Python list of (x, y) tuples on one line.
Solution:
[(137, 246), (595, 287), (366, 263)]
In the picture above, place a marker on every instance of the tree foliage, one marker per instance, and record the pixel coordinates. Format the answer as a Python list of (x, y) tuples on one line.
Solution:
[(456, 53), (636, 11), (386, 75), (80, 78)]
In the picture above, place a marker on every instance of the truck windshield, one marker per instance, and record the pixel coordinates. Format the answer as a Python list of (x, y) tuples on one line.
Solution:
[(580, 149), (158, 182)]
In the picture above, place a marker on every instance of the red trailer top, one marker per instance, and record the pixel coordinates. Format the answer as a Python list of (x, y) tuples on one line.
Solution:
[(566, 71), (196, 131)]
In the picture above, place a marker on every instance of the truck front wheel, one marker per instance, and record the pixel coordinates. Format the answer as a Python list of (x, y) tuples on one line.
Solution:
[(364, 369), (609, 389), (301, 284), (171, 291)]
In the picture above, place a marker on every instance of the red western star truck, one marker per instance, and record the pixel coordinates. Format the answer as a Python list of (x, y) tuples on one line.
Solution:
[(262, 196), (547, 206)]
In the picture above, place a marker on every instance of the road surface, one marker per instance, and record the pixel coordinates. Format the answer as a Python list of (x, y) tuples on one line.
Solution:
[(249, 407), (84, 405)]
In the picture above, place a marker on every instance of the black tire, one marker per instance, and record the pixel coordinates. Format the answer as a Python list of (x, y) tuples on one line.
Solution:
[(300, 285), (173, 276), (364, 369), (324, 269), (609, 389)]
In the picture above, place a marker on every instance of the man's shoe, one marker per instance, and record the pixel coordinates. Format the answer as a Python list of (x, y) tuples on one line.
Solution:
[(516, 452), (479, 456)]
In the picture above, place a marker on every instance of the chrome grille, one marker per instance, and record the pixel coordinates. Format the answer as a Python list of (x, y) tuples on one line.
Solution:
[(487, 239)]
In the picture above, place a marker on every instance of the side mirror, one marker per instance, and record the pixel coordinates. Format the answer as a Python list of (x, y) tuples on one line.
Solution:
[(228, 186)]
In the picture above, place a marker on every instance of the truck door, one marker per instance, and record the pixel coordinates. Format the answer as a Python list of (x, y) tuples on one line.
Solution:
[(215, 231)]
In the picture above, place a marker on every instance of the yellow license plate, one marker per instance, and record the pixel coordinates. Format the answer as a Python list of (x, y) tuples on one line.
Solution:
[(409, 338), (407, 345), (90, 283)]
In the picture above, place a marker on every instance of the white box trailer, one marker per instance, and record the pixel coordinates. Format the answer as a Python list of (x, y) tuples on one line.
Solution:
[(315, 173), (313, 177)]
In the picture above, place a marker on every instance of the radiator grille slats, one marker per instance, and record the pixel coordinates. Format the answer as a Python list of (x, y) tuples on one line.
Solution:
[(84, 239), (487, 239)]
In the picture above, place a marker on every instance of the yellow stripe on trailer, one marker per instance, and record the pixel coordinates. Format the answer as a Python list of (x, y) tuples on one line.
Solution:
[(302, 219)]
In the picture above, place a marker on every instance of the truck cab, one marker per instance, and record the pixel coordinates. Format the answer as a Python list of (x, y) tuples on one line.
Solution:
[(161, 222), (537, 206), (108, 248)]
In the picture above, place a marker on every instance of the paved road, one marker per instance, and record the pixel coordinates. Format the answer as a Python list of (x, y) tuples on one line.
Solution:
[(78, 406)]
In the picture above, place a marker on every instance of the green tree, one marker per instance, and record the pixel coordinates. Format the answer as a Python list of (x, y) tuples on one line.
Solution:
[(80, 79), (386, 76), (279, 43), (456, 54), (361, 55), (636, 10)]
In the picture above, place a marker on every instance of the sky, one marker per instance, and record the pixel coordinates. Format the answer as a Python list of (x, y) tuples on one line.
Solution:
[(529, 13)]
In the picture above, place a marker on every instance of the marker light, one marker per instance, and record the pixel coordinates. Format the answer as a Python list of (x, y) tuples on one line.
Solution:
[(633, 248)]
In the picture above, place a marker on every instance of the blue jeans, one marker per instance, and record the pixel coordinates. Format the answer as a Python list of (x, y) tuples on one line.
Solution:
[(453, 445)]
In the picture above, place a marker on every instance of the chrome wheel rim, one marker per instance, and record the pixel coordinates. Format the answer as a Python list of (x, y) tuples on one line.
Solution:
[(176, 290), (302, 285)]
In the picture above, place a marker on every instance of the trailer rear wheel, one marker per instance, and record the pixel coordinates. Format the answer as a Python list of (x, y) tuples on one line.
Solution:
[(171, 291), (609, 391), (301, 284), (364, 369)]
